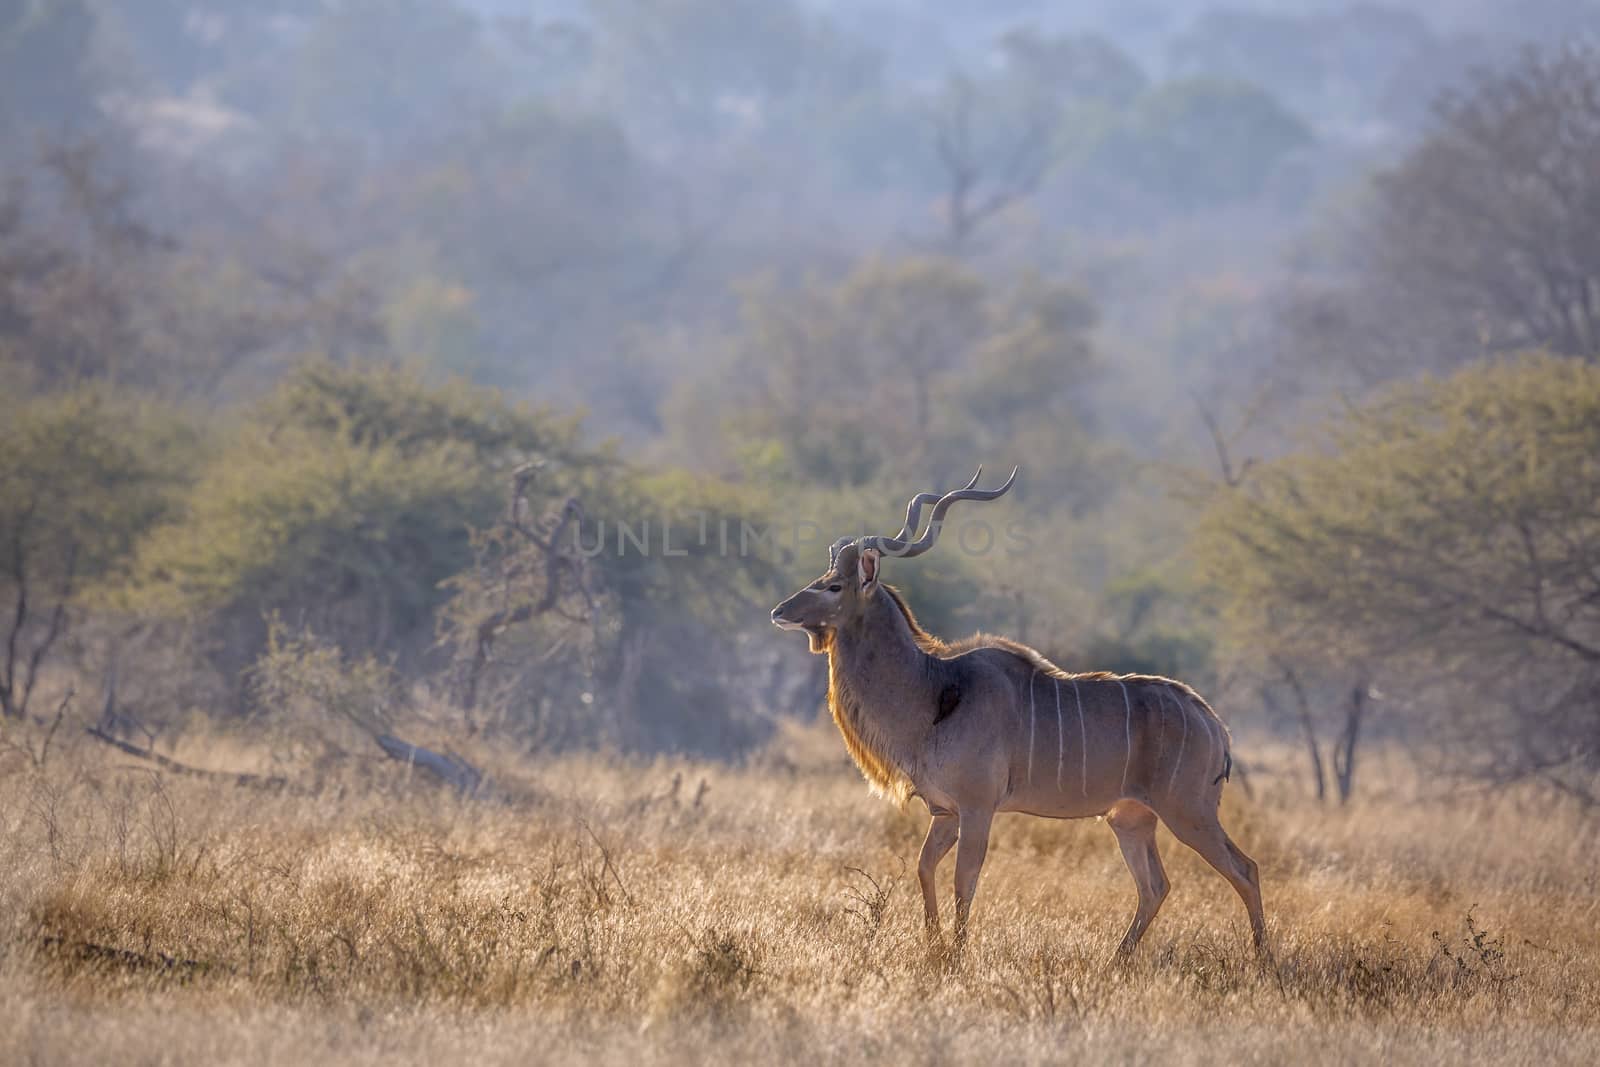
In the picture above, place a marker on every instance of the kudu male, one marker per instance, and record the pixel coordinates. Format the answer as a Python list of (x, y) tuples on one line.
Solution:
[(988, 725)]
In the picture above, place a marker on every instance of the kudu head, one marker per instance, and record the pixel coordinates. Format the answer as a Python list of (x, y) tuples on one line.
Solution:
[(852, 578)]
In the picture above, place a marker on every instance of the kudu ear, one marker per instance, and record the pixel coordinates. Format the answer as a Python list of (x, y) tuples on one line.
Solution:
[(867, 566)]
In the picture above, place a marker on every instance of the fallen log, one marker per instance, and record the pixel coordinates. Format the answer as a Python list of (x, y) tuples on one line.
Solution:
[(167, 763), (447, 767)]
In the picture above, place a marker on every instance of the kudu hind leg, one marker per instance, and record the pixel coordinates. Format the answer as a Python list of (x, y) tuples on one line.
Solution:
[(1207, 837), (1252, 896), (1135, 827), (941, 838)]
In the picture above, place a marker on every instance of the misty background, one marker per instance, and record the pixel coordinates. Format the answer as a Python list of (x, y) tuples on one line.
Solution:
[(330, 330)]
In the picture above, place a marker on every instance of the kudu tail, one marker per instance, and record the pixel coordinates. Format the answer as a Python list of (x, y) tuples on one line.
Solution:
[(1227, 767)]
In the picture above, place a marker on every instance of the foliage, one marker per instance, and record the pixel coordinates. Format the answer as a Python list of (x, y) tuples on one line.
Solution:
[(374, 405), (1201, 143), (173, 44), (302, 521), (1145, 629), (1073, 68), (46, 59), (83, 475), (84, 472), (902, 368), (436, 322), (1479, 241), (531, 216), (1340, 61), (300, 679), (343, 502), (1489, 213), (570, 176), (89, 289), (69, 296), (391, 68), (1447, 534), (703, 64), (369, 507)]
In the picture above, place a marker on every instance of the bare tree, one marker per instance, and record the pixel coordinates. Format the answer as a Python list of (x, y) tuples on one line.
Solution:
[(1232, 471), (1344, 750), (76, 493), (1307, 724), (29, 640), (1481, 240), (530, 568), (983, 177)]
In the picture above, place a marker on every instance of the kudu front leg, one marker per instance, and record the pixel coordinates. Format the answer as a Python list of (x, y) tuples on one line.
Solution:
[(971, 847), (941, 837)]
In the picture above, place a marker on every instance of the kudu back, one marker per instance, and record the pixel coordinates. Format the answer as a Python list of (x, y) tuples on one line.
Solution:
[(988, 725)]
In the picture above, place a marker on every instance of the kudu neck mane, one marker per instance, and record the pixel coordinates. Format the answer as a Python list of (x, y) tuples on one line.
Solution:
[(881, 692), (881, 652), (942, 649), (924, 640)]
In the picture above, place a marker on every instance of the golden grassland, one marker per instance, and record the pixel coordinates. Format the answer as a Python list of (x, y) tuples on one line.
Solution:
[(611, 911)]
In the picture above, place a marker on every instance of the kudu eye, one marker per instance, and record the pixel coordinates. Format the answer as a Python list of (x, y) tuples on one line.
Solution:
[(835, 587)]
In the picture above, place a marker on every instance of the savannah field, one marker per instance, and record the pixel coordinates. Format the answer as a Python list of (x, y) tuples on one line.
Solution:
[(411, 412), (602, 910)]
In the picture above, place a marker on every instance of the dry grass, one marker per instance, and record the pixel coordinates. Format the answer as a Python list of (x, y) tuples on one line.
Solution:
[(593, 911)]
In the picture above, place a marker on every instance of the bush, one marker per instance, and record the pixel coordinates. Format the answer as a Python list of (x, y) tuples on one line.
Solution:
[(82, 477), (1443, 542), (344, 501), (369, 507)]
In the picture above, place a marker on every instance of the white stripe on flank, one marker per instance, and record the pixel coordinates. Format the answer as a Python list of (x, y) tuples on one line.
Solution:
[(1033, 724), (1061, 737), (1161, 733), (1183, 739), (1083, 733), (1127, 709)]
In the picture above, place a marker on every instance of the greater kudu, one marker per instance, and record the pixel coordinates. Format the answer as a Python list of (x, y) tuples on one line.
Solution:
[(971, 728)]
